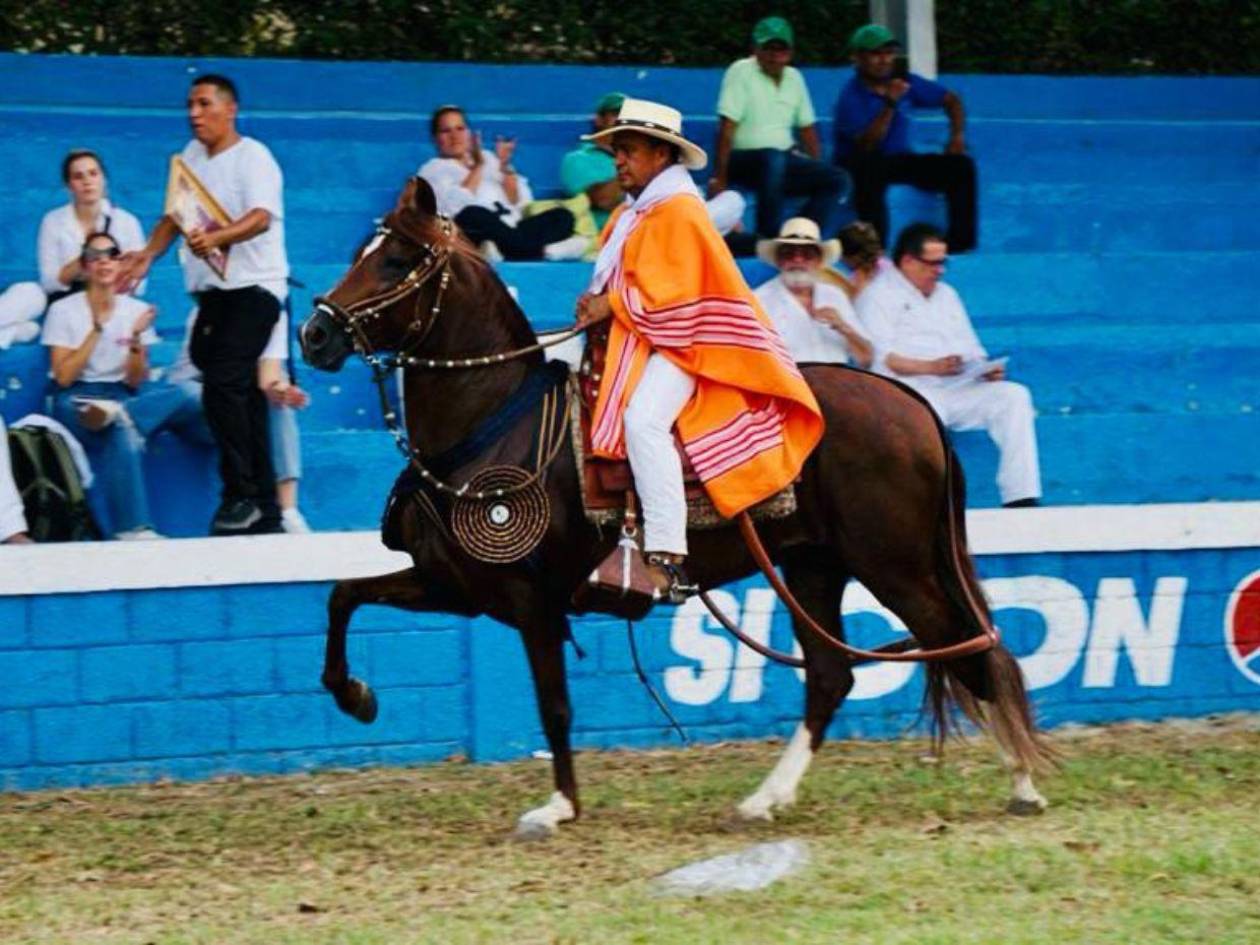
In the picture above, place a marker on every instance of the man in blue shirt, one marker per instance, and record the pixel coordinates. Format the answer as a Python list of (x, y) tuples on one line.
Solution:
[(872, 138)]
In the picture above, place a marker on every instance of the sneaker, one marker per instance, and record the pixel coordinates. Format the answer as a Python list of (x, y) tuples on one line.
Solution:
[(1029, 503), (572, 248), (490, 250), (97, 414), (144, 533), (293, 523), (235, 516)]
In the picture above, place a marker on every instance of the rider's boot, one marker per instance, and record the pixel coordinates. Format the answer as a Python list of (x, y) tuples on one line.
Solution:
[(669, 577)]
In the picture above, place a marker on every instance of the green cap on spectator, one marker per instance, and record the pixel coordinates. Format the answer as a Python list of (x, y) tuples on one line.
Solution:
[(872, 36), (772, 29), (610, 103)]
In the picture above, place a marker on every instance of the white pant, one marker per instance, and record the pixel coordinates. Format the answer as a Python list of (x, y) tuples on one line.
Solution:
[(1005, 410), (12, 520), (726, 210), (655, 404)]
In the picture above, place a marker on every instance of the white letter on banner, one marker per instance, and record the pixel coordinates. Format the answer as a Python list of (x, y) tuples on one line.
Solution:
[(700, 686), (1062, 606), (1118, 622), (758, 615)]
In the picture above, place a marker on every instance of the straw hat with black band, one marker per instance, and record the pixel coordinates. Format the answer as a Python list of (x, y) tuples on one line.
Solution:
[(655, 121)]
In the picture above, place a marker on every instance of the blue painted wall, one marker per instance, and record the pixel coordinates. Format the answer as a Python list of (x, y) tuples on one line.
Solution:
[(188, 683)]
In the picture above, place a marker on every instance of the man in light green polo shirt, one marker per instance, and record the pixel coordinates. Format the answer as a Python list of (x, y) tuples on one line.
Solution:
[(767, 141)]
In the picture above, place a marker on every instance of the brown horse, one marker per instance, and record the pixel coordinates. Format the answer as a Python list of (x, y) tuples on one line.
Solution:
[(880, 500)]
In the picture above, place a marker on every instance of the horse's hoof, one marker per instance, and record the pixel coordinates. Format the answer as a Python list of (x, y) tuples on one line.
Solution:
[(532, 831), (1026, 807), (762, 813), (358, 701)]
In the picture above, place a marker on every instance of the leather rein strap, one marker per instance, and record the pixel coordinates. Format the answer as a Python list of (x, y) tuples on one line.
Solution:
[(901, 651)]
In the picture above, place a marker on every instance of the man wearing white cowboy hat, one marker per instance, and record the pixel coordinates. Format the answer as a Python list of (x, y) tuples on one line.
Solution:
[(688, 345), (815, 318)]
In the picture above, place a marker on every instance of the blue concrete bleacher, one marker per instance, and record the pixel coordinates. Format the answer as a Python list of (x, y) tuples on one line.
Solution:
[(1119, 266)]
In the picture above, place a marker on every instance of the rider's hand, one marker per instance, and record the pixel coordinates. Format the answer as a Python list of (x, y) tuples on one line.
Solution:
[(593, 308)]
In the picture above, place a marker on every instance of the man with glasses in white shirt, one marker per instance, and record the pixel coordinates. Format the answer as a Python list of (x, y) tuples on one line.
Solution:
[(923, 337)]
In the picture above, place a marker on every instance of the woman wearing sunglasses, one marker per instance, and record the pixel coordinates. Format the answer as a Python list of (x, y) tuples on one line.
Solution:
[(98, 347)]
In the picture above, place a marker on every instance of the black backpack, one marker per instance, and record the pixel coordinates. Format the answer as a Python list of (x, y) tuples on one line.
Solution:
[(52, 491)]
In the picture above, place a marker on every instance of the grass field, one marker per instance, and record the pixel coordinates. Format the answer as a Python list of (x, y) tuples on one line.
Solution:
[(1151, 838)]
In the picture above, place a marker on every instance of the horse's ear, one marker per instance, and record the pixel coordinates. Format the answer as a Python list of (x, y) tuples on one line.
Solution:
[(422, 197)]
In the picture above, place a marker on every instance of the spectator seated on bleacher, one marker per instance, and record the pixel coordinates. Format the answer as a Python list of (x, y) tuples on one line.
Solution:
[(862, 254), (591, 170), (815, 318), (12, 516), (61, 235), (872, 138), (763, 100), (284, 398), (484, 194), (922, 336), (98, 343)]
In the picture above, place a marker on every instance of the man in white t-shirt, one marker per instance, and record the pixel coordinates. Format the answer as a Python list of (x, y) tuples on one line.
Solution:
[(922, 336), (237, 311), (815, 319)]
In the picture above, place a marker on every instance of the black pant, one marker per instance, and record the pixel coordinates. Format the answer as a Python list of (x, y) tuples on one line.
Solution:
[(951, 174), (230, 334), (523, 241), (776, 175)]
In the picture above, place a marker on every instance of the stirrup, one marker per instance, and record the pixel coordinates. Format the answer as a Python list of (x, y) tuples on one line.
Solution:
[(680, 586)]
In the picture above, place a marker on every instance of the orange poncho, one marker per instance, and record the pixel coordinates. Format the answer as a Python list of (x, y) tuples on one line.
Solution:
[(753, 420)]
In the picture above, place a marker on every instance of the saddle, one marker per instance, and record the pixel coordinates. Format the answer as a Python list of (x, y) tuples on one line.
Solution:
[(607, 482)]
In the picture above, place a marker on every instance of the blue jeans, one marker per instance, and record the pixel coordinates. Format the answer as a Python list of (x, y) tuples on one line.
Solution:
[(774, 175), (117, 497)]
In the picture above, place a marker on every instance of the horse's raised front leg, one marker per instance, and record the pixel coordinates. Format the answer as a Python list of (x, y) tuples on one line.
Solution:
[(400, 589), (818, 584), (544, 644)]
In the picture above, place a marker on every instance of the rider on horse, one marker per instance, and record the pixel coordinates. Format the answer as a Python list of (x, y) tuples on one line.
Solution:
[(688, 345)]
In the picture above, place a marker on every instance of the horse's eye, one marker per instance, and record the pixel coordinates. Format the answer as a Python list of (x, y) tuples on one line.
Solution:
[(395, 263)]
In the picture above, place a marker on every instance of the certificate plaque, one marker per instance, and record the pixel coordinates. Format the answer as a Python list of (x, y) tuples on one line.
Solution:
[(191, 207)]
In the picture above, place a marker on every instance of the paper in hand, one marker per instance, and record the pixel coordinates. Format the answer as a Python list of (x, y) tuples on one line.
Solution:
[(975, 370)]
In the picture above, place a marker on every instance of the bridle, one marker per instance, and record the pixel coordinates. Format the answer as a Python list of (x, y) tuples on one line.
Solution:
[(434, 262)]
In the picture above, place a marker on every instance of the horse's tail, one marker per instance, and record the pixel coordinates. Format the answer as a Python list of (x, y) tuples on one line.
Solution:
[(993, 676)]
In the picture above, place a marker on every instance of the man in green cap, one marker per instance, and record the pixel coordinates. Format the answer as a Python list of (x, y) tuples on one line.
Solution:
[(589, 169), (872, 137), (767, 140)]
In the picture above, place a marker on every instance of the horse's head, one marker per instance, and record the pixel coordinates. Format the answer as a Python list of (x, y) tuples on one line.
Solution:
[(390, 296)]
